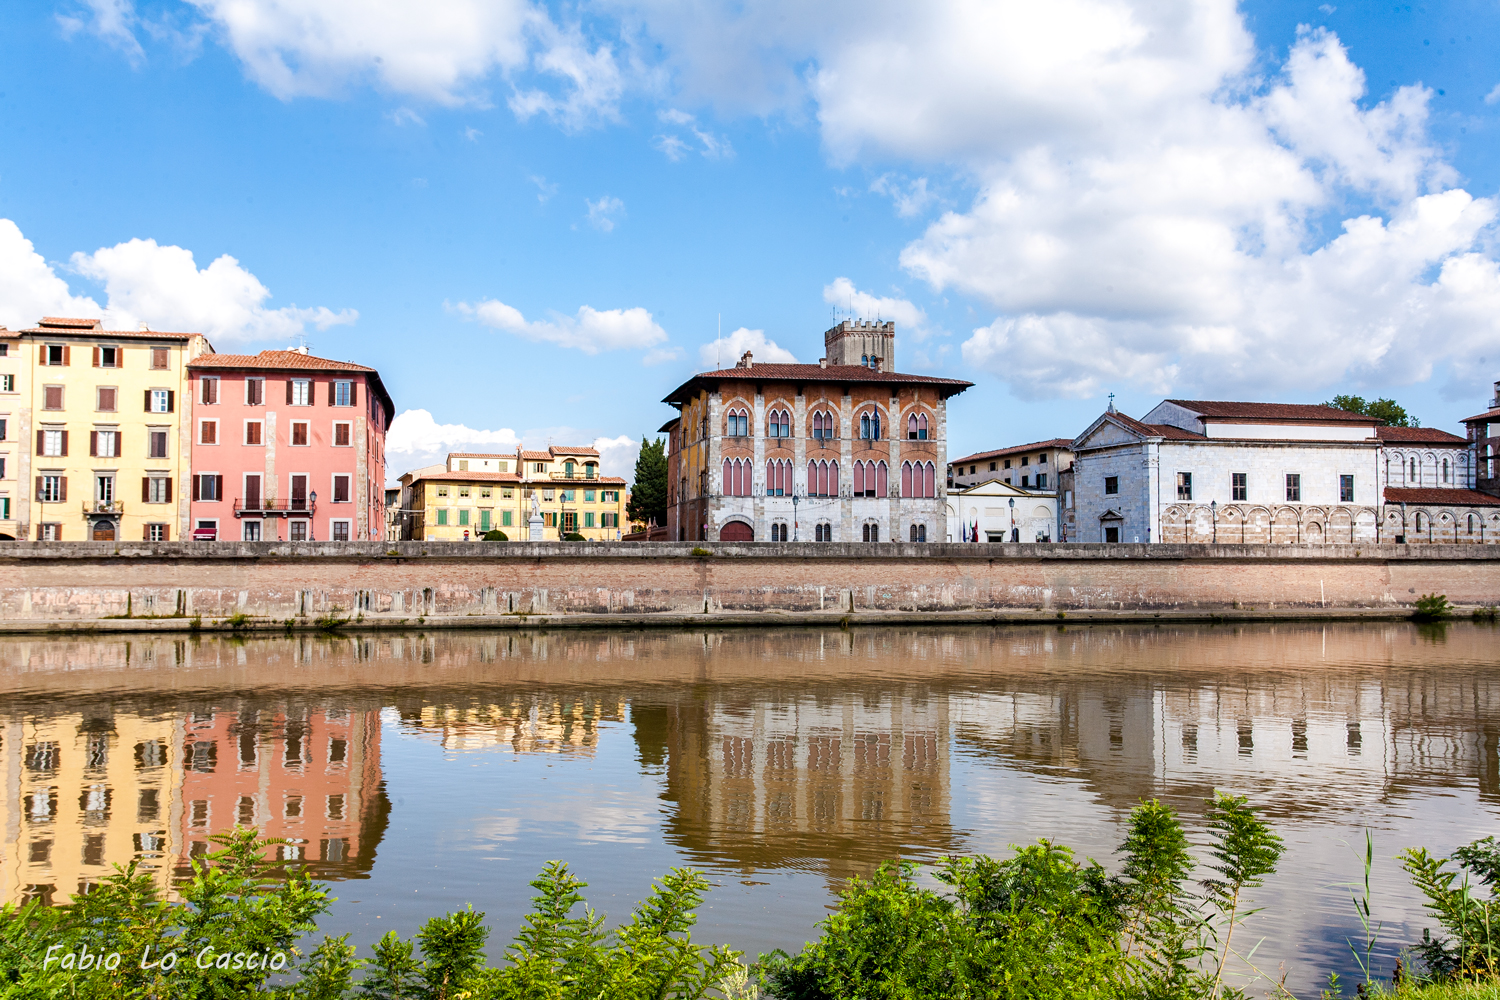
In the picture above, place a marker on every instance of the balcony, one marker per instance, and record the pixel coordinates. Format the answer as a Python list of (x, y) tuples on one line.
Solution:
[(103, 508), (272, 507), (575, 476)]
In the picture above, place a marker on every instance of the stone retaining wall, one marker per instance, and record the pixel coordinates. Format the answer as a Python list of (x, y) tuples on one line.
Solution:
[(59, 582)]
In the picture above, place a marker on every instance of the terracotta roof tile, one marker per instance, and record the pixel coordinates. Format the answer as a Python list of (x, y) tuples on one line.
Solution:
[(275, 361), (467, 477), (1221, 410), (1429, 496), (1429, 435), (81, 331), (71, 322), (1156, 430), (584, 450), (536, 456), (984, 456), (479, 454), (1489, 416)]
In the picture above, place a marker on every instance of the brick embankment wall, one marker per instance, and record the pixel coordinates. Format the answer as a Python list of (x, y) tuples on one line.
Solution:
[(393, 584)]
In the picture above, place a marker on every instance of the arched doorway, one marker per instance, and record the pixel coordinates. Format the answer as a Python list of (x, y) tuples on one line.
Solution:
[(737, 531), (104, 530)]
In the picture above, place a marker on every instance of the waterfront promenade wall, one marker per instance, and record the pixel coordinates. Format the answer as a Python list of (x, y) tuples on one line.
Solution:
[(396, 583)]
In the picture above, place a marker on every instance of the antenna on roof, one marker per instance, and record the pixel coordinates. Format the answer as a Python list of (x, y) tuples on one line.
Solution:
[(718, 344)]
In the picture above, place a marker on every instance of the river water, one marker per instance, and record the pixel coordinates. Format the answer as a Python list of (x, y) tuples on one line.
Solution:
[(420, 773)]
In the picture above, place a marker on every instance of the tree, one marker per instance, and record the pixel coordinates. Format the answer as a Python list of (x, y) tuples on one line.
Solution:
[(1387, 410), (648, 497)]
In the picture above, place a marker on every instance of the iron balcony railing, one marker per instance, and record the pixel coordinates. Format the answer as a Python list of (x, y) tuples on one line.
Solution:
[(273, 507), (103, 507)]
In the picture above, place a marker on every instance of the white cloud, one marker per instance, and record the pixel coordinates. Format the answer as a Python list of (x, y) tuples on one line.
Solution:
[(661, 355), (911, 198), (603, 213), (158, 285), (726, 351), (416, 440), (590, 331), (406, 116), (911, 321), (596, 81), (472, 134), (617, 455), (544, 190), (671, 145), (713, 147), (673, 116), (1493, 96), (113, 21)]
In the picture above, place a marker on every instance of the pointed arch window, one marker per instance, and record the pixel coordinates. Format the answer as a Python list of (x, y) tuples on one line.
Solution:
[(1445, 471), (916, 427), (779, 424)]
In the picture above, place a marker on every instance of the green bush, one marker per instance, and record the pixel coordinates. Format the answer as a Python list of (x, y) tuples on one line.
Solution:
[(1472, 922), (496, 535), (1432, 607), (574, 536)]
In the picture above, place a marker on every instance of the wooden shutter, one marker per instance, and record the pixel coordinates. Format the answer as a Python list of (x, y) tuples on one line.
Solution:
[(218, 487), (196, 490), (62, 489), (96, 356), (288, 392), (67, 355), (39, 488), (353, 393), (148, 400), (119, 444), (169, 490), (332, 393), (146, 536), (171, 401), (93, 444), (146, 495), (41, 442), (64, 444)]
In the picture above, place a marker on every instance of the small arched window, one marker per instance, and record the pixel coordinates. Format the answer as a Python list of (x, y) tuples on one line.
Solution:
[(916, 427), (869, 425), (1414, 470), (779, 424), (1445, 470), (919, 532)]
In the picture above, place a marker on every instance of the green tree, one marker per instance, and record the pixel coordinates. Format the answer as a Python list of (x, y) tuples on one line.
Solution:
[(1387, 410), (648, 497)]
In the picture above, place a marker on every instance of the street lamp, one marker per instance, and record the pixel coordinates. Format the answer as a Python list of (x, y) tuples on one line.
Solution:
[(794, 516), (1213, 507), (1015, 533), (312, 506)]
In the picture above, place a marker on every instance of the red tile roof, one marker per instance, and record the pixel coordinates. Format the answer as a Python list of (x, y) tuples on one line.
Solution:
[(536, 456), (67, 321), (1427, 435), (275, 361), (1488, 416), (507, 455), (813, 373), (586, 451), (1220, 410), (1157, 430), (474, 477), (1429, 496), (74, 328), (984, 456)]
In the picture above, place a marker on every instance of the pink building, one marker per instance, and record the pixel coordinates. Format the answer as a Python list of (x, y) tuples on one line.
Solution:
[(282, 436)]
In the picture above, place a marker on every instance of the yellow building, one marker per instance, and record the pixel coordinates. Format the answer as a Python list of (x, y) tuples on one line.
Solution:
[(91, 416), (474, 493)]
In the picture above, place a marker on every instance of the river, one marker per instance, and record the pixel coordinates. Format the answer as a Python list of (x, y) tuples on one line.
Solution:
[(422, 772)]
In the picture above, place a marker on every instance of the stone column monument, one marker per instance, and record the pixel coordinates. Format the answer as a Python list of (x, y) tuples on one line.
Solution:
[(534, 523)]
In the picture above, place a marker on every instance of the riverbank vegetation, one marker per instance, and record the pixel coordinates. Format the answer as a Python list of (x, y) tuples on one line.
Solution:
[(1042, 923)]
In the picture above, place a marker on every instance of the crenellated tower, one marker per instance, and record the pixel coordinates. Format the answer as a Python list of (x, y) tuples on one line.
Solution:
[(867, 343)]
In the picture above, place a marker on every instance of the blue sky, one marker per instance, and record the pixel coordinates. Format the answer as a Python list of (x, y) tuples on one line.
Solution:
[(530, 217)]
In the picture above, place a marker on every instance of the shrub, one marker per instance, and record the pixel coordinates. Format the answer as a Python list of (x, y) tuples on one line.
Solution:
[(574, 536), (1472, 921), (496, 535), (1432, 607)]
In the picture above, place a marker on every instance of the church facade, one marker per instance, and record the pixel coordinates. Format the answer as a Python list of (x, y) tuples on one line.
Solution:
[(845, 450)]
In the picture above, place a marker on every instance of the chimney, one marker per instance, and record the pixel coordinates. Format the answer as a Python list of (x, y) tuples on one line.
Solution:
[(879, 364), (143, 328), (822, 362), (747, 360)]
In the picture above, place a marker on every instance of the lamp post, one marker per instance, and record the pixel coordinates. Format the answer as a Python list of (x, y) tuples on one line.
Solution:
[(794, 516), (1213, 508), (1402, 539), (1015, 533), (312, 506)]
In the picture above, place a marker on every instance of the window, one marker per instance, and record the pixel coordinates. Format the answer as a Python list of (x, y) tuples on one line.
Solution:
[(484, 520), (569, 496), (208, 432), (2, 432), (159, 358), (539, 467), (255, 392), (253, 432), (588, 496), (1026, 481), (252, 492), (340, 489), (55, 354), (916, 428), (442, 517), (46, 532), (160, 400), (508, 492), (919, 532), (104, 444), (7, 383), (549, 495), (1111, 485), (342, 438), (823, 533), (463, 491), (588, 519), (872, 533), (1346, 489), (53, 443), (992, 466), (1007, 465), (208, 487), (1184, 486), (341, 393), (157, 489), (1239, 486), (299, 432), (1414, 470), (52, 397), (1293, 487), (52, 489), (869, 425), (156, 532), (1025, 460), (738, 424), (105, 398), (485, 492), (298, 392), (210, 390), (1042, 460), (340, 531), (297, 530), (442, 491), (610, 520), (104, 489), (157, 444), (824, 427), (505, 518), (1111, 534), (779, 424), (1041, 480), (1445, 470)]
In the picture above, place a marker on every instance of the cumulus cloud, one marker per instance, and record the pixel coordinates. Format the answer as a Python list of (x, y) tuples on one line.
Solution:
[(144, 282), (590, 331), (910, 198), (595, 80), (617, 455), (727, 350), (911, 321), (113, 21), (416, 441), (604, 212)]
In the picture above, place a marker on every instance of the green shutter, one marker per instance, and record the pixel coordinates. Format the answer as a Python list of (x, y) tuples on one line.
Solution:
[(484, 520), (442, 515), (505, 518), (588, 519), (463, 517)]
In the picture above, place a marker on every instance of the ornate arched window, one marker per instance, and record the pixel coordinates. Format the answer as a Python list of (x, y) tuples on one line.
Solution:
[(737, 423), (1414, 470), (906, 476), (881, 485), (919, 532), (929, 483), (779, 424), (869, 425), (916, 427)]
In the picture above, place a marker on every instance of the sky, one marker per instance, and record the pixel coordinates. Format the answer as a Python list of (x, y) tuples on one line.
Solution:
[(537, 219)]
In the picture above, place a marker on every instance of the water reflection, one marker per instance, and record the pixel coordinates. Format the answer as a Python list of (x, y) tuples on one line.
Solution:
[(810, 754)]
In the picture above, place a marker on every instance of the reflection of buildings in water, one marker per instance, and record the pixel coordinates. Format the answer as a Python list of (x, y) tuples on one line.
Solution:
[(840, 781), (86, 791), (526, 723)]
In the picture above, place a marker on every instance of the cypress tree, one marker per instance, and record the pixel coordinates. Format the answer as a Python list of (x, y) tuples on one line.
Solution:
[(648, 497)]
